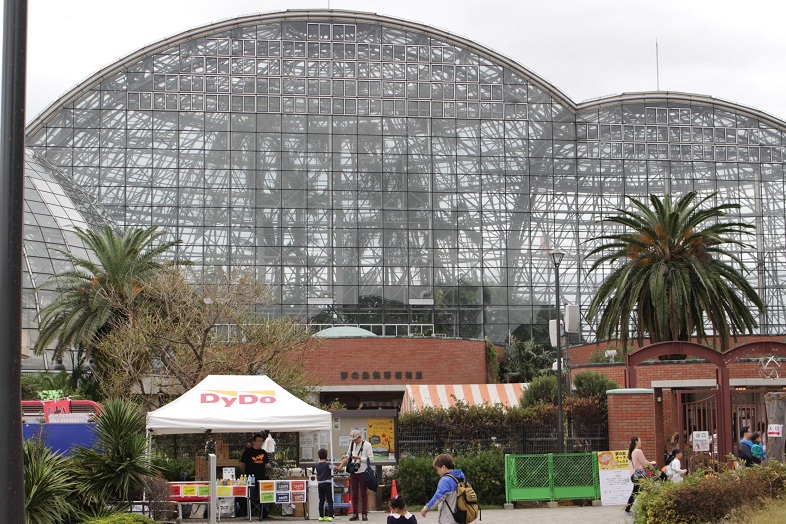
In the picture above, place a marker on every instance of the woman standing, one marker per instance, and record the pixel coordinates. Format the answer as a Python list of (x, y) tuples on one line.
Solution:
[(357, 459), (638, 467)]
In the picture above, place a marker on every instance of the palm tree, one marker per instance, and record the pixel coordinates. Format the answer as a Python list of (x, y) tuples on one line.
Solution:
[(674, 270), (100, 288), (524, 359)]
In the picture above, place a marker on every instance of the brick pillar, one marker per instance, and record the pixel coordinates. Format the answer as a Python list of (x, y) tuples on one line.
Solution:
[(660, 437), (633, 412), (670, 419)]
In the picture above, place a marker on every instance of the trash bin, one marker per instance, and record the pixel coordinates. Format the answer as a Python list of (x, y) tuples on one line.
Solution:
[(313, 498)]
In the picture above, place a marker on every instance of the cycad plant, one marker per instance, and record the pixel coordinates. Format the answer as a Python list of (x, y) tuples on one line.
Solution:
[(672, 271), (49, 485), (114, 470)]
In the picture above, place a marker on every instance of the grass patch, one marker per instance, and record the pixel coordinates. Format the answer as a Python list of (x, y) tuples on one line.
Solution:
[(770, 511)]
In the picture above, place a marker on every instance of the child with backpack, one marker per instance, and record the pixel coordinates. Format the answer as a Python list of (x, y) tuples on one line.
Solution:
[(674, 470), (400, 515), (664, 471), (455, 498)]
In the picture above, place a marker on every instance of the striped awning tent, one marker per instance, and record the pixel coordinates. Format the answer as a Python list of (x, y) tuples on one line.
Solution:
[(443, 396)]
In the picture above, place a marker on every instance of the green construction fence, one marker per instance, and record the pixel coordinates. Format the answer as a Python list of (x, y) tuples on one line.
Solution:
[(556, 476)]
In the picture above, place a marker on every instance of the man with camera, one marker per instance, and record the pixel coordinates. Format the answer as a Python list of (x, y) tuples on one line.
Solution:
[(356, 461)]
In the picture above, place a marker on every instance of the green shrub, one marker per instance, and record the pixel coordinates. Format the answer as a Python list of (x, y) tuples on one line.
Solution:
[(416, 478), (699, 498), (173, 469), (48, 484), (524, 359), (120, 518), (492, 363), (592, 384), (543, 388), (115, 469), (486, 473)]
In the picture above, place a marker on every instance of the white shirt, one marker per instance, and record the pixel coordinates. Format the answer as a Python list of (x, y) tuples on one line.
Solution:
[(362, 450), (676, 470)]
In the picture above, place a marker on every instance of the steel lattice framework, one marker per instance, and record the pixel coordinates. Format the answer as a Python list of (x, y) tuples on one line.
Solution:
[(383, 173)]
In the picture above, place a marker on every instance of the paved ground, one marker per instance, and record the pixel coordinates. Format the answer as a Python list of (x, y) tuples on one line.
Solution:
[(561, 515)]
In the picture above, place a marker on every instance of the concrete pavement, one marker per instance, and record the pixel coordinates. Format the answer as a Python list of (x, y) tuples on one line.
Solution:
[(560, 515)]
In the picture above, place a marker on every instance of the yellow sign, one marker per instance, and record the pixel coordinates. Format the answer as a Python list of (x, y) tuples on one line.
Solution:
[(189, 491), (613, 460), (381, 436), (223, 491)]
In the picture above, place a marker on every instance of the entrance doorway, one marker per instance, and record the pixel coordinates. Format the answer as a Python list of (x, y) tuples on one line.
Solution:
[(697, 411), (748, 409)]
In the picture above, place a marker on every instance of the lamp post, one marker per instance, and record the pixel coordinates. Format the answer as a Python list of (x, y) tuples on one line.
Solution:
[(556, 258)]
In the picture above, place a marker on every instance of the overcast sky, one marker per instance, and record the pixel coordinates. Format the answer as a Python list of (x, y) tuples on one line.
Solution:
[(587, 48)]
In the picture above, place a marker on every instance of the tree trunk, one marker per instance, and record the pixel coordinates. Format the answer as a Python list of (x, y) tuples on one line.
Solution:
[(776, 414)]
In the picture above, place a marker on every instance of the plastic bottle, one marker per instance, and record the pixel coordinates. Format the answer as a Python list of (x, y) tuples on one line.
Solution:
[(252, 480)]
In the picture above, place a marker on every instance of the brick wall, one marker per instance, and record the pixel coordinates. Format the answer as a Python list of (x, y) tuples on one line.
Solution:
[(632, 412), (668, 370), (615, 372), (581, 354), (373, 361)]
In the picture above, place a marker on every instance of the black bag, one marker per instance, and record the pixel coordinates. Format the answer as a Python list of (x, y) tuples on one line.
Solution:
[(352, 467), (371, 477)]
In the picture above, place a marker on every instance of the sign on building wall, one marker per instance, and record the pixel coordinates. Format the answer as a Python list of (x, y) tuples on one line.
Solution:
[(614, 477)]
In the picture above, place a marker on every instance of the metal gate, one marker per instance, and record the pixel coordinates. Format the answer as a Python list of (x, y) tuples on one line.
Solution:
[(697, 410), (748, 409)]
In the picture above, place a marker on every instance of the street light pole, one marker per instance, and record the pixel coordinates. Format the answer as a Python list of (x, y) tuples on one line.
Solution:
[(556, 258)]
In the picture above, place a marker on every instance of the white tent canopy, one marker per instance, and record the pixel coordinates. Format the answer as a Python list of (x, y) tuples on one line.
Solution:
[(237, 404)]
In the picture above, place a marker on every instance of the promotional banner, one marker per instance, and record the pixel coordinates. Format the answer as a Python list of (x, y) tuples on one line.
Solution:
[(382, 437), (283, 491), (614, 476)]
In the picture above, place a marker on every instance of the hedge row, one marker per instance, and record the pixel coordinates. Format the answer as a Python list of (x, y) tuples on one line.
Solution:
[(707, 497), (416, 478), (125, 518)]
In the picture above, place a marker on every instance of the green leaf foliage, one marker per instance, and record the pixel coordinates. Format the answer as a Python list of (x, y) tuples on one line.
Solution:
[(172, 469), (417, 480), (524, 359), (672, 274), (120, 518), (592, 384), (492, 363), (89, 296), (708, 497), (48, 484), (542, 389), (115, 469)]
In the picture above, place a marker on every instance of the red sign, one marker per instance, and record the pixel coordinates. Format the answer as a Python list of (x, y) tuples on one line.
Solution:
[(56, 407)]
